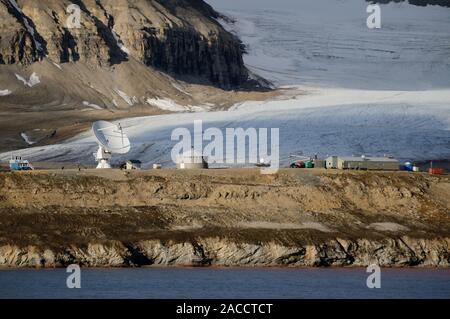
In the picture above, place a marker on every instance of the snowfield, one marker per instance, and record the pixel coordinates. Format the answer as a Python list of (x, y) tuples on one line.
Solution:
[(349, 90), (327, 43), (406, 124)]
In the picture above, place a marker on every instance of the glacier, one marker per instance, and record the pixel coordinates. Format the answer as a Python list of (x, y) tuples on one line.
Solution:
[(327, 43)]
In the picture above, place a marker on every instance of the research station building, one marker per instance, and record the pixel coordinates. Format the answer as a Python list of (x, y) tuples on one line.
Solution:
[(192, 160), (363, 163)]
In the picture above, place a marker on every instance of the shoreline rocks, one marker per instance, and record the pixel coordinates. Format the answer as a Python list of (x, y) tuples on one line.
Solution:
[(400, 252)]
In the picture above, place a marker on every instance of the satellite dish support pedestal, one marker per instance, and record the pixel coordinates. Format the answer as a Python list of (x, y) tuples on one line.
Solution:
[(103, 157)]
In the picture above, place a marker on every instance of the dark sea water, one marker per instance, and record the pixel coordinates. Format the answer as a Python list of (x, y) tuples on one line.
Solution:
[(225, 283)]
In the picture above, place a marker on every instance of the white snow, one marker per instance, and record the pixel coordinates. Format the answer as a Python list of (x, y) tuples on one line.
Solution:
[(27, 139), (299, 97), (22, 79), (407, 125), (94, 106), (29, 28), (172, 106), (5, 92), (327, 43), (179, 88), (166, 104), (130, 101), (119, 43), (34, 80), (199, 108)]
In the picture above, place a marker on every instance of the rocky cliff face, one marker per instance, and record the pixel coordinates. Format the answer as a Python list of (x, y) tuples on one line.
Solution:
[(127, 58), (180, 37), (422, 3), (221, 252), (223, 218)]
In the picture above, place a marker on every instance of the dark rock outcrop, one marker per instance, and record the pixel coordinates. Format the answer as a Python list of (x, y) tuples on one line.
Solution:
[(179, 37), (186, 53), (422, 3), (222, 252)]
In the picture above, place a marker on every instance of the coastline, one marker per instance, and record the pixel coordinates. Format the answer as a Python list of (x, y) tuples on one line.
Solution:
[(34, 259)]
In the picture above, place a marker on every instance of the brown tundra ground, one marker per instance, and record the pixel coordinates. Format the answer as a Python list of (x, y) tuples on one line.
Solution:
[(227, 217)]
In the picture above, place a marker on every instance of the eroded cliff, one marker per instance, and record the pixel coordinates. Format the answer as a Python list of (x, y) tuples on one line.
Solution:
[(180, 37), (224, 218)]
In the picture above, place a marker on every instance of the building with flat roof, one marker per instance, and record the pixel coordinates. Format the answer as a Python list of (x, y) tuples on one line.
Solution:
[(363, 163), (192, 159)]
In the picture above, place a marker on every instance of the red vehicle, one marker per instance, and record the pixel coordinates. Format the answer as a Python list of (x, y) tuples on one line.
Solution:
[(298, 164)]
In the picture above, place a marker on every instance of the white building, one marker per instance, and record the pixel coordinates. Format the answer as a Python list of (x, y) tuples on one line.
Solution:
[(363, 163), (132, 164), (192, 160)]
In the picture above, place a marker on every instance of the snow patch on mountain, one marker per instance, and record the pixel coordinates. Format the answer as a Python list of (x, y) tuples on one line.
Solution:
[(179, 88), (94, 106), (34, 80), (172, 106), (129, 100), (27, 139), (166, 105), (29, 28), (119, 43)]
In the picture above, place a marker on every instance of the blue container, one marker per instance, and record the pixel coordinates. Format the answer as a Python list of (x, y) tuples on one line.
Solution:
[(407, 167)]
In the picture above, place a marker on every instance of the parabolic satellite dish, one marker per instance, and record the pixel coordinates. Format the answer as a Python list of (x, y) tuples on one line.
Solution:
[(111, 139)]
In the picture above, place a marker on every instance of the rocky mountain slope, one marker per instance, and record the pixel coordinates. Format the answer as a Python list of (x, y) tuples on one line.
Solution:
[(224, 218), (422, 3), (179, 37), (125, 59)]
